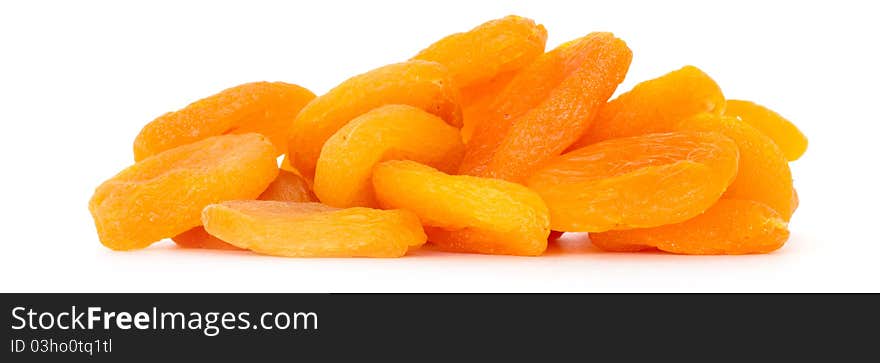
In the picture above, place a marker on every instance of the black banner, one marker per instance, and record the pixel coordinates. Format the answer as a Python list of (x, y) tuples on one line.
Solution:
[(113, 327)]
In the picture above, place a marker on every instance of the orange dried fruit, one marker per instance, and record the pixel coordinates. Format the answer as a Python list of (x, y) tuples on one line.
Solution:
[(313, 230), (467, 213), (477, 100), (731, 226), (636, 182), (199, 238), (267, 108), (763, 174), (484, 241), (546, 107), (287, 186), (287, 165), (656, 106), (422, 84), (494, 47), (344, 170), (612, 245), (163, 195), (485, 91), (785, 134)]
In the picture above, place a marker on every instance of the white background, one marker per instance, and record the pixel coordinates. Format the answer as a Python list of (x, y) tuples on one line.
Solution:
[(78, 79)]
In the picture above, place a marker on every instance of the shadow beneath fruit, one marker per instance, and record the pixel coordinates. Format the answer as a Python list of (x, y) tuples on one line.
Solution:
[(580, 244), (569, 244)]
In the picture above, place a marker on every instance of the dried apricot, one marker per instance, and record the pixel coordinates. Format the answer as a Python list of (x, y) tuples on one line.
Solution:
[(492, 48), (731, 226), (470, 214), (763, 174), (199, 238), (656, 106), (477, 100), (612, 245), (287, 186), (636, 182), (162, 196), (785, 134), (267, 108), (344, 170), (474, 240), (423, 84), (546, 107), (485, 91), (313, 230)]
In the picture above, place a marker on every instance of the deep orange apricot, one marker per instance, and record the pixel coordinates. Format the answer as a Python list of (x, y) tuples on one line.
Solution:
[(485, 91), (492, 48), (785, 134), (763, 174), (163, 195), (612, 245), (470, 214), (287, 165), (313, 230), (732, 226), (656, 106), (287, 186), (197, 237), (344, 170), (422, 84), (477, 101), (636, 182), (546, 107), (266, 108)]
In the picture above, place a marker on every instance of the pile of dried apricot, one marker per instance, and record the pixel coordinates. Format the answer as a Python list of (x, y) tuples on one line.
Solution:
[(481, 143)]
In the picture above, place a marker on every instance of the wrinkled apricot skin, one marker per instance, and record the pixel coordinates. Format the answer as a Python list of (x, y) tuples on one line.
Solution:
[(163, 195), (287, 186), (344, 170), (313, 230), (546, 107), (261, 107), (469, 214), (477, 101), (497, 46), (422, 84), (636, 182), (731, 226), (656, 105), (763, 173), (482, 142), (785, 134)]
